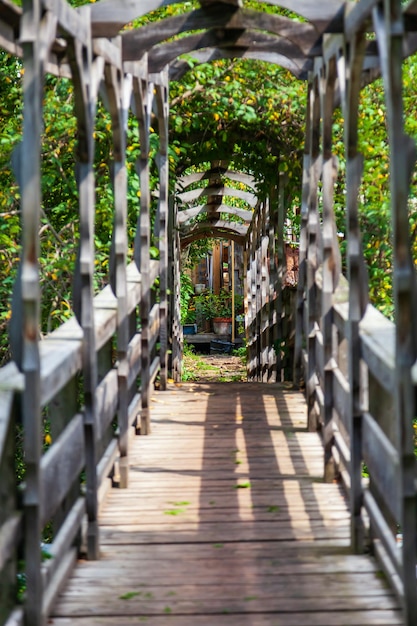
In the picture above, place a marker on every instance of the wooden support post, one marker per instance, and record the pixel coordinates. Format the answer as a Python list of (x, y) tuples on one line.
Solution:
[(24, 329), (281, 268), (143, 94), (257, 282), (163, 164), (274, 287), (331, 261), (264, 296), (177, 327), (85, 91), (390, 36), (312, 257), (119, 91), (300, 311), (358, 287)]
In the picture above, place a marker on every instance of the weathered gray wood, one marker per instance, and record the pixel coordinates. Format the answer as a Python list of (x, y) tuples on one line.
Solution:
[(382, 530), (133, 358), (119, 89), (61, 575), (358, 288), (220, 190), (26, 303), (313, 251), (163, 165), (81, 63), (60, 466), (215, 174), (232, 229), (378, 454), (10, 532), (180, 67), (221, 530), (341, 394), (143, 95), (186, 214), (304, 36), (388, 26), (133, 286), (63, 540), (107, 400), (377, 335), (163, 54)]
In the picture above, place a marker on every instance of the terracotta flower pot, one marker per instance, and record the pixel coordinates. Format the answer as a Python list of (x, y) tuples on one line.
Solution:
[(222, 325)]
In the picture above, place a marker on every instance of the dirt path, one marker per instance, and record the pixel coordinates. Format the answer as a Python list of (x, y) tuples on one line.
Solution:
[(213, 368)]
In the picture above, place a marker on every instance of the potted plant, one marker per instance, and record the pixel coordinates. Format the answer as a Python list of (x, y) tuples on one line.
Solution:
[(218, 309)]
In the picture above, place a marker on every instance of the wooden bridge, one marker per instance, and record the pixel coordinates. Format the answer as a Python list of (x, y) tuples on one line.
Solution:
[(243, 505)]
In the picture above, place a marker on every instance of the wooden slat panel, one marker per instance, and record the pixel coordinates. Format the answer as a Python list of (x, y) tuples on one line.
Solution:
[(153, 326), (107, 401), (64, 539), (134, 408), (133, 286), (10, 532), (340, 317), (341, 396), (105, 308), (60, 466), (379, 454), (378, 347), (133, 357), (381, 530), (319, 353)]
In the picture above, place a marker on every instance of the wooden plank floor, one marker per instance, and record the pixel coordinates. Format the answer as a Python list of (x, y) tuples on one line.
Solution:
[(227, 522)]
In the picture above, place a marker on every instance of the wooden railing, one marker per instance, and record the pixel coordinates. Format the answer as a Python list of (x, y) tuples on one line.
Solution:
[(378, 454), (58, 492)]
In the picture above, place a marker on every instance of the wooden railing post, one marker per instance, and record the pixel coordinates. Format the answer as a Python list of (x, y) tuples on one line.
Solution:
[(350, 78), (264, 342), (388, 23), (313, 255), (163, 165), (331, 260), (177, 335), (281, 270), (143, 94), (119, 89), (85, 96), (26, 306)]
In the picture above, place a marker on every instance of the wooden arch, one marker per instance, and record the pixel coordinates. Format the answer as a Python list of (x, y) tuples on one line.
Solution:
[(110, 16), (300, 38), (187, 214), (217, 191), (217, 229)]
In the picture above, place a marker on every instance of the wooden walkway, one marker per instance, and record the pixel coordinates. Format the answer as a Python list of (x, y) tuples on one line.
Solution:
[(227, 522)]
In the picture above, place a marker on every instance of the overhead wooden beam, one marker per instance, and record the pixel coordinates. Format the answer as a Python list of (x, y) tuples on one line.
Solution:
[(214, 233), (303, 35), (298, 68), (163, 54), (215, 173), (110, 16), (187, 214), (194, 194), (215, 228)]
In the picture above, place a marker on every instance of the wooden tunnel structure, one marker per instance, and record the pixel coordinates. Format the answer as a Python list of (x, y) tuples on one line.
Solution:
[(360, 370)]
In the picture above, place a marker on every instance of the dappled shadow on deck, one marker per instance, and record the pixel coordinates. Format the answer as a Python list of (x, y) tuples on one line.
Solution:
[(227, 522)]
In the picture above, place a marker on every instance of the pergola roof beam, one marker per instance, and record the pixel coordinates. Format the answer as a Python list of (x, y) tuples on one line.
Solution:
[(187, 214)]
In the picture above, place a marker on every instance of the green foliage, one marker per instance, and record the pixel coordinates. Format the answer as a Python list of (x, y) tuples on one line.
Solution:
[(248, 109), (186, 294), (209, 305)]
